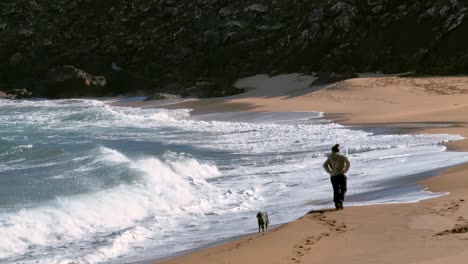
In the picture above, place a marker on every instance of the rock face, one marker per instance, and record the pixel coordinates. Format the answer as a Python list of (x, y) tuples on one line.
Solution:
[(162, 96), (4, 95), (19, 93), (15, 94), (150, 44), (331, 77), (68, 81)]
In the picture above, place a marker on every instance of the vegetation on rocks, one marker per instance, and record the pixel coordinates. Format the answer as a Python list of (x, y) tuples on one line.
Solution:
[(200, 47)]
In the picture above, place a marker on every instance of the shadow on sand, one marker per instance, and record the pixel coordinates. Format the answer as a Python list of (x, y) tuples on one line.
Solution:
[(321, 211)]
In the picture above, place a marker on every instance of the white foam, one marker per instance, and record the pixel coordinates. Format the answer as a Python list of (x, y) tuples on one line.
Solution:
[(162, 191), (112, 155), (262, 161), (245, 138), (91, 113), (193, 169)]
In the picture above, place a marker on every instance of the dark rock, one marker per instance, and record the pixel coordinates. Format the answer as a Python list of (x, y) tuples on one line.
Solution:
[(45, 42), (25, 33), (173, 87), (123, 81), (156, 43), (256, 8), (162, 96), (226, 11), (68, 81), (16, 58), (377, 9), (332, 77), (14, 94), (4, 95), (212, 88), (20, 93), (93, 63)]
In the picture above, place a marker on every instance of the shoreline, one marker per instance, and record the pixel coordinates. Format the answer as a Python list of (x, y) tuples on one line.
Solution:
[(414, 225), (382, 129), (422, 183)]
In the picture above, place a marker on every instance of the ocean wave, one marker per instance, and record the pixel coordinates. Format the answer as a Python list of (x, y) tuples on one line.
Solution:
[(165, 189), (101, 181), (89, 115), (69, 113)]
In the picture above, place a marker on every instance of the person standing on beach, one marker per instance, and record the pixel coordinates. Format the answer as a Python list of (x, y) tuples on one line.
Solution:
[(337, 166)]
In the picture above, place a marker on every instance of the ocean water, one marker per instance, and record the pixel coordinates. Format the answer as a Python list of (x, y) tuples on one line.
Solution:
[(85, 182)]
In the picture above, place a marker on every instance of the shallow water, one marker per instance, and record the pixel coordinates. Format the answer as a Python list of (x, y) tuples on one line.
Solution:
[(85, 182)]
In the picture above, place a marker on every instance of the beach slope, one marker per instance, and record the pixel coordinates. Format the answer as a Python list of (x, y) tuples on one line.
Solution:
[(431, 231)]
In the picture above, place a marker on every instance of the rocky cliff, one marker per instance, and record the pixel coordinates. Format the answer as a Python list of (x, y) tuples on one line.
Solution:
[(199, 47)]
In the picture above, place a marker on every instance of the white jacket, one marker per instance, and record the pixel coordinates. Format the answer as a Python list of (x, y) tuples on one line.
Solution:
[(336, 164)]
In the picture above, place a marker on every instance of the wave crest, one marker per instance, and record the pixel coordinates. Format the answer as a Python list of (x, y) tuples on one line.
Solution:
[(165, 189)]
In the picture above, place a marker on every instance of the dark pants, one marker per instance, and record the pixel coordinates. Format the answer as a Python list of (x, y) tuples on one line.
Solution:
[(339, 190)]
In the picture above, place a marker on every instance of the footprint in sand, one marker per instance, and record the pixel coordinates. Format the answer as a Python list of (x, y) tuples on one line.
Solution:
[(460, 228), (450, 207), (304, 246), (457, 229)]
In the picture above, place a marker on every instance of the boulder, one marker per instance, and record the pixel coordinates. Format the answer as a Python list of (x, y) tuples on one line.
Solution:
[(15, 94), (162, 96), (68, 81), (20, 93), (332, 77), (140, 46), (120, 81), (16, 58), (212, 88), (256, 8), (4, 95)]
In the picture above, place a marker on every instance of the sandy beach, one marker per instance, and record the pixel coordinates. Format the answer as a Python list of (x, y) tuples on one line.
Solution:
[(431, 231)]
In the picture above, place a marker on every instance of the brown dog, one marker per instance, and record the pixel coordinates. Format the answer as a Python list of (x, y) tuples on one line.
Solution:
[(262, 218)]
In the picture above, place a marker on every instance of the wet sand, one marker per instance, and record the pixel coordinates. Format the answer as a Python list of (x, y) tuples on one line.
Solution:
[(431, 231)]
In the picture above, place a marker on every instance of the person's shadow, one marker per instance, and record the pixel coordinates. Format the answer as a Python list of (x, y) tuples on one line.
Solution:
[(321, 211)]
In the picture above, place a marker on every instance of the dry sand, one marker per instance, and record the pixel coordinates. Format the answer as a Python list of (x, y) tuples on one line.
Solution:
[(431, 231)]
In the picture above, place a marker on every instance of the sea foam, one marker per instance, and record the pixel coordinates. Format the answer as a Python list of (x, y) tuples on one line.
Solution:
[(165, 189), (85, 182)]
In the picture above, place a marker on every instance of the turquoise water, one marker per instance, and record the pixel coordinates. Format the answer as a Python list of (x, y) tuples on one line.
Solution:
[(85, 182)]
